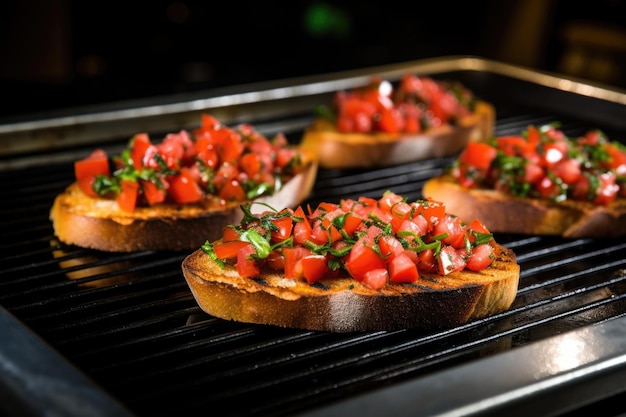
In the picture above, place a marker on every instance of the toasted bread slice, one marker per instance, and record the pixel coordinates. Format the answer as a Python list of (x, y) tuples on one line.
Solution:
[(336, 150), (345, 305), (99, 223), (510, 214)]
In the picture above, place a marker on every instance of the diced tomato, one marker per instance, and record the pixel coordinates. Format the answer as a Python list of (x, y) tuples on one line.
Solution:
[(400, 212), (390, 121), (153, 193), (389, 200), (553, 153), (548, 188), (230, 248), (568, 170), (257, 143), (433, 211), (533, 136), (231, 146), (608, 189), (293, 256), (319, 235), (533, 173), (444, 106), (331, 230), (86, 186), (276, 260), (427, 262), (314, 267), (481, 257), (361, 259), (141, 143), (352, 223), (450, 261), (284, 156), (478, 226), (410, 229), (183, 189), (478, 155), (172, 150), (402, 269), (327, 207), (230, 234), (225, 173), (97, 163), (246, 265), (449, 226), (127, 198), (412, 115), (250, 163), (389, 246), (301, 230), (206, 150), (208, 122), (87, 169), (376, 278), (617, 158), (513, 145), (232, 191), (284, 226)]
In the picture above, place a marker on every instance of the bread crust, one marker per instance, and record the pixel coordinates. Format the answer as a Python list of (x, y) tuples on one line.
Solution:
[(510, 214), (337, 150), (345, 305), (99, 223)]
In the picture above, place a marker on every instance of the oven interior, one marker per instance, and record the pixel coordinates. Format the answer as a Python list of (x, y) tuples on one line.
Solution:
[(91, 333)]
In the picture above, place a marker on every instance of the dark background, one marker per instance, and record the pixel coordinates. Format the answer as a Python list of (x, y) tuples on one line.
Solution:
[(56, 54)]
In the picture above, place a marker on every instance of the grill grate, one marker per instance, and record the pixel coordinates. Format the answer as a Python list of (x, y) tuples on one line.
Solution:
[(130, 323)]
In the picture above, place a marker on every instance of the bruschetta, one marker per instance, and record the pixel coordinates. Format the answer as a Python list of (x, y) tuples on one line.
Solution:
[(540, 182), (356, 265), (171, 195), (384, 124)]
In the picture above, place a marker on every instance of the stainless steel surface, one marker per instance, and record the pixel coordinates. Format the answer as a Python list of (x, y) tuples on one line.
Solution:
[(545, 378), (109, 121)]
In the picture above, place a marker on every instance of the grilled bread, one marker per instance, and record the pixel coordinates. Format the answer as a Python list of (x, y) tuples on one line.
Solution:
[(345, 305), (531, 216), (347, 298), (95, 223), (374, 126), (175, 194), (540, 182), (338, 150)]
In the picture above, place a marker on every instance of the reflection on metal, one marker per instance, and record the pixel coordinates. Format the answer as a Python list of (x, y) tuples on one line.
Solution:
[(111, 121), (542, 378), (48, 385)]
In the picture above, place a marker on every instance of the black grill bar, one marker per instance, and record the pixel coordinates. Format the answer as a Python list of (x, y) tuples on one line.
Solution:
[(127, 326)]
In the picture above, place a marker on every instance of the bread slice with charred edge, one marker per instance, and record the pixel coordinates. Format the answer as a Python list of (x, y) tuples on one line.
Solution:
[(510, 214), (336, 150), (99, 223), (345, 305)]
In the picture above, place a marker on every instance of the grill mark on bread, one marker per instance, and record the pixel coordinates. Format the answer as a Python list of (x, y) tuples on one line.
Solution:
[(345, 305)]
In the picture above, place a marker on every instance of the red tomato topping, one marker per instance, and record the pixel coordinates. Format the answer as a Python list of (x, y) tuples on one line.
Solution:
[(127, 198), (413, 105), (402, 269), (354, 239), (542, 162), (87, 169), (213, 163)]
